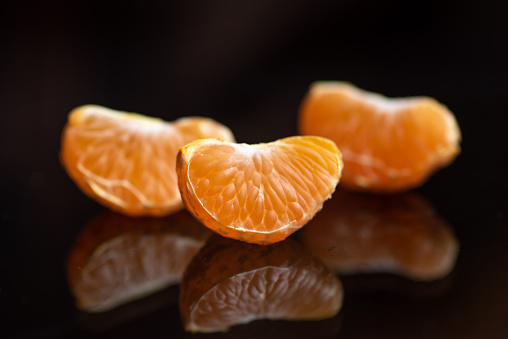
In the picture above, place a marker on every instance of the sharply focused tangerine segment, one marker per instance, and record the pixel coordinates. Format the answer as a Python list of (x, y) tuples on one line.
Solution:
[(364, 233), (388, 144), (257, 193), (230, 283), (126, 161), (117, 259)]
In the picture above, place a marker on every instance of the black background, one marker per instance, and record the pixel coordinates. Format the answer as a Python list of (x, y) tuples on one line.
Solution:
[(247, 64)]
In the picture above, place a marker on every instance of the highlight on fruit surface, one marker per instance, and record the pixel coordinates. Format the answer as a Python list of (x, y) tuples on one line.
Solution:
[(230, 283), (257, 193), (118, 259), (388, 144), (126, 161), (400, 234)]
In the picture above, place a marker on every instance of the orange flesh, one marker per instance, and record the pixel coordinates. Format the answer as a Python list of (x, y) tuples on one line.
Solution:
[(127, 161), (387, 144), (257, 193)]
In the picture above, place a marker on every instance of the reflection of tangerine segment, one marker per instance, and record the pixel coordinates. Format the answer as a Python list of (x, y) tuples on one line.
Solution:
[(356, 233), (230, 283), (257, 193), (126, 161), (388, 144), (117, 259)]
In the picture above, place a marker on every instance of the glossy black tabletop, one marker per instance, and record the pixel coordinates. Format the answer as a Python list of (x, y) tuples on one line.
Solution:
[(248, 65)]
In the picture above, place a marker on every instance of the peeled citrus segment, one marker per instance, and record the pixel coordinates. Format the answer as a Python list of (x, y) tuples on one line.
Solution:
[(388, 144), (230, 283), (399, 234), (117, 259), (126, 161), (257, 193)]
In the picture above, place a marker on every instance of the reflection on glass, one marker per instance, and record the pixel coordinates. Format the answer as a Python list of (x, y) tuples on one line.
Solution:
[(401, 234), (230, 282), (118, 259)]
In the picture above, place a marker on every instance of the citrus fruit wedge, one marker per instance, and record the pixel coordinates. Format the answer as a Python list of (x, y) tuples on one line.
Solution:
[(126, 161), (230, 283), (399, 234), (257, 193), (388, 144), (117, 259)]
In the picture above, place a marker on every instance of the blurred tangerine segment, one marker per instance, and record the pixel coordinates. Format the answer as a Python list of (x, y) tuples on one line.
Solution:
[(117, 259), (401, 234), (230, 283), (126, 161), (257, 193), (388, 144)]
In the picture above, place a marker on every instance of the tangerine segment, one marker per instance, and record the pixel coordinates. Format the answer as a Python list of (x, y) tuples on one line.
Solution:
[(229, 283), (126, 161), (257, 193), (400, 234), (117, 259), (388, 144)]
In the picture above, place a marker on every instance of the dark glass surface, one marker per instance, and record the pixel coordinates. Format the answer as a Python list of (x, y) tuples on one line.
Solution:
[(247, 65)]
